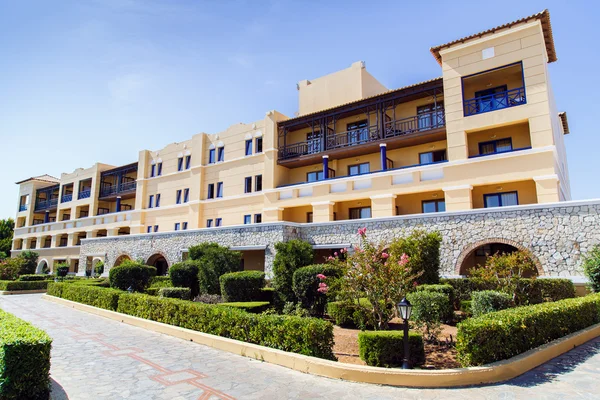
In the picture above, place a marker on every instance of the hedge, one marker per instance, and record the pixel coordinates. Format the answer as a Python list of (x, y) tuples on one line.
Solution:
[(504, 334), (430, 308), (183, 293), (267, 294), (488, 301), (349, 314), (255, 307), (100, 282), (131, 274), (93, 296), (24, 359), (185, 274), (446, 290), (386, 348), (242, 286), (23, 285), (305, 285), (35, 277)]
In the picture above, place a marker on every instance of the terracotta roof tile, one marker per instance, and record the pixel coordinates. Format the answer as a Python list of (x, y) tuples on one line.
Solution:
[(42, 178)]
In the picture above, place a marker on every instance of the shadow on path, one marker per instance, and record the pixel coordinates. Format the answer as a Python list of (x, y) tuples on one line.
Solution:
[(57, 392)]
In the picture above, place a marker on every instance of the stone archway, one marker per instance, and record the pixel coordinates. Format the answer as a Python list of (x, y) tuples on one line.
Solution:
[(40, 267), (159, 261), (470, 249), (120, 259)]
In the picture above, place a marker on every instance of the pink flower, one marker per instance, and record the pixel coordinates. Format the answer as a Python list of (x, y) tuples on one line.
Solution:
[(343, 251), (403, 260), (384, 255), (323, 288), (415, 284), (362, 231), (335, 254), (321, 276)]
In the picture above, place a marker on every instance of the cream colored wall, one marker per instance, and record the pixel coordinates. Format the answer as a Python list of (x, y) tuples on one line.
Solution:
[(412, 203), (525, 189), (297, 214), (519, 133), (342, 208)]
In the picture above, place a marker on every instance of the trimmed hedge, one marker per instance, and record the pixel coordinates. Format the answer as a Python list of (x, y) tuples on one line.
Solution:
[(131, 274), (35, 277), (185, 274), (504, 334), (93, 296), (488, 301), (24, 359), (255, 307), (305, 284), (345, 313), (23, 285), (182, 293), (242, 286), (100, 282), (386, 348), (267, 294), (446, 290), (430, 307)]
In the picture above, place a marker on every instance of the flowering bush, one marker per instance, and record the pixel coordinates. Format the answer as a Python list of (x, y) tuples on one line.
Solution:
[(314, 285), (381, 277)]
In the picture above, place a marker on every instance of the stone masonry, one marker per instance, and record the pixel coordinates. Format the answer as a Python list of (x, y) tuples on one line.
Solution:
[(557, 235)]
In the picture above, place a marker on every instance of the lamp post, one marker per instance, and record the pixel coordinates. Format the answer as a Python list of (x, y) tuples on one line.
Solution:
[(405, 309)]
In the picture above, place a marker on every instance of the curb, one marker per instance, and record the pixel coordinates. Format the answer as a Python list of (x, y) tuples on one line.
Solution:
[(484, 375), (11, 292)]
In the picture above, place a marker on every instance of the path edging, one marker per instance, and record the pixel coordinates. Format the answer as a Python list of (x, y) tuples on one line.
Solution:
[(488, 374), (11, 292)]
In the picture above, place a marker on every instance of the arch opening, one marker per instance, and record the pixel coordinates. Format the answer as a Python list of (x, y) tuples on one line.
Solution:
[(42, 266), (120, 259), (476, 255), (160, 263)]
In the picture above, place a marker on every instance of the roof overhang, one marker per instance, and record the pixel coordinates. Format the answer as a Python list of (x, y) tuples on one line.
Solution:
[(543, 17), (41, 178), (332, 246), (564, 122)]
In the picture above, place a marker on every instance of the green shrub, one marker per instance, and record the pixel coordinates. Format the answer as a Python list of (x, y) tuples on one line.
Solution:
[(488, 301), (445, 289), (99, 268), (93, 296), (100, 282), (185, 274), (9, 269), (554, 289), (266, 294), (429, 310), (423, 250), (242, 286), (305, 285), (55, 289), (29, 262), (386, 348), (33, 277), (213, 261), (289, 256), (182, 293), (62, 270), (23, 285), (131, 274), (24, 359), (507, 333), (349, 314), (160, 281), (591, 268), (308, 336), (465, 306), (255, 307)]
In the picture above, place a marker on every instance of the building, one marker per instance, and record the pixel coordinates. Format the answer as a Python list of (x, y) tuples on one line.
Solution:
[(485, 134)]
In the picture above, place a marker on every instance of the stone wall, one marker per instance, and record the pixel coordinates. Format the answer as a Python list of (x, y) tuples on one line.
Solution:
[(557, 235)]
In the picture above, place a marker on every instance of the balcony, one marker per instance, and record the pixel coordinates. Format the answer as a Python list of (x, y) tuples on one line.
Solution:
[(118, 182), (495, 101), (23, 207), (84, 194), (42, 205), (115, 190), (66, 198), (500, 152)]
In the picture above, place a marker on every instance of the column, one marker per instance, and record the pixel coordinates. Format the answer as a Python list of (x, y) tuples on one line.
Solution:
[(71, 238), (325, 167), (47, 217), (112, 232), (547, 188), (323, 211), (458, 198), (118, 208), (55, 241), (273, 214), (383, 205), (383, 155)]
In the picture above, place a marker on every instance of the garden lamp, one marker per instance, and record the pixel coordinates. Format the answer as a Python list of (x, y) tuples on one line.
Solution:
[(405, 309)]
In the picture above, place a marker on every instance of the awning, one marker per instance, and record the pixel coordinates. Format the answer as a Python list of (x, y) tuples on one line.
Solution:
[(332, 246), (249, 248)]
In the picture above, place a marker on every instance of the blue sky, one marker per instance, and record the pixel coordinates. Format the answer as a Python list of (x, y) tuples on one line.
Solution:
[(85, 81)]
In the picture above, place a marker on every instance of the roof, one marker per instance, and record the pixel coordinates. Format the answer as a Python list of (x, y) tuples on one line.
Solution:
[(392, 91), (543, 17), (41, 178), (564, 122)]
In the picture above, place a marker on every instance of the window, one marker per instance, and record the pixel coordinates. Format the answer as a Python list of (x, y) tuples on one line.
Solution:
[(177, 226), (153, 171), (188, 162), (218, 221), (221, 155), (211, 156), (158, 200), (219, 189), (360, 213), (431, 206), (159, 169), (184, 226), (314, 176), (430, 116), (249, 147), (491, 99), (501, 199), (432, 157), (155, 228), (247, 219), (258, 145), (313, 140), (257, 218), (358, 132), (211, 191), (151, 201), (309, 217), (495, 146), (258, 183), (149, 229), (186, 195), (180, 164), (178, 197), (358, 169), (209, 223), (248, 184)]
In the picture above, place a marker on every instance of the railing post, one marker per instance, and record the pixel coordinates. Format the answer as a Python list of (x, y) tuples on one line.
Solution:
[(325, 167), (383, 155)]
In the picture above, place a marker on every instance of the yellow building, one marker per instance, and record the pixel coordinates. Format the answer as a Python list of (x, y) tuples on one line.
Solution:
[(485, 134)]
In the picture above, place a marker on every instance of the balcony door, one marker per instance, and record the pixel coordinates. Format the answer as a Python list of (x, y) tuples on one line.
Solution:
[(358, 132), (491, 99), (313, 141), (430, 116)]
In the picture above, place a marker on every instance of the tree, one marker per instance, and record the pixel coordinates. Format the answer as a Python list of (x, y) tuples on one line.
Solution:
[(213, 261), (29, 259), (591, 268), (7, 227), (289, 256), (423, 250)]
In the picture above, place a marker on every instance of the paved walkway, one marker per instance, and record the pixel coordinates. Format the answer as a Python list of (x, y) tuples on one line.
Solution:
[(98, 358)]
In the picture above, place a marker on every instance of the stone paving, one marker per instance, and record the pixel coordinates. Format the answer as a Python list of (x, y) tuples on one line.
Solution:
[(98, 358)]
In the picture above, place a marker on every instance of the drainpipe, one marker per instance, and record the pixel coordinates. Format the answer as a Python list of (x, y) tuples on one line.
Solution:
[(325, 167), (383, 154)]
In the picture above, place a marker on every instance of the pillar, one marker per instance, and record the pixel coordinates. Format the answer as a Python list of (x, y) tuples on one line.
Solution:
[(547, 188), (273, 214), (383, 155), (323, 211), (383, 205), (325, 167), (118, 204), (112, 232), (71, 238), (47, 217), (458, 198)]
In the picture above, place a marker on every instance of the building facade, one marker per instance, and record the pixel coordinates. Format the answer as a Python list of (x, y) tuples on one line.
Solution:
[(485, 134)]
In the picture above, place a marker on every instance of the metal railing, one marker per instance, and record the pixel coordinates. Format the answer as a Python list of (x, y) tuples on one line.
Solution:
[(500, 152), (495, 101), (419, 123), (84, 194), (46, 204), (117, 189), (66, 198), (23, 207)]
